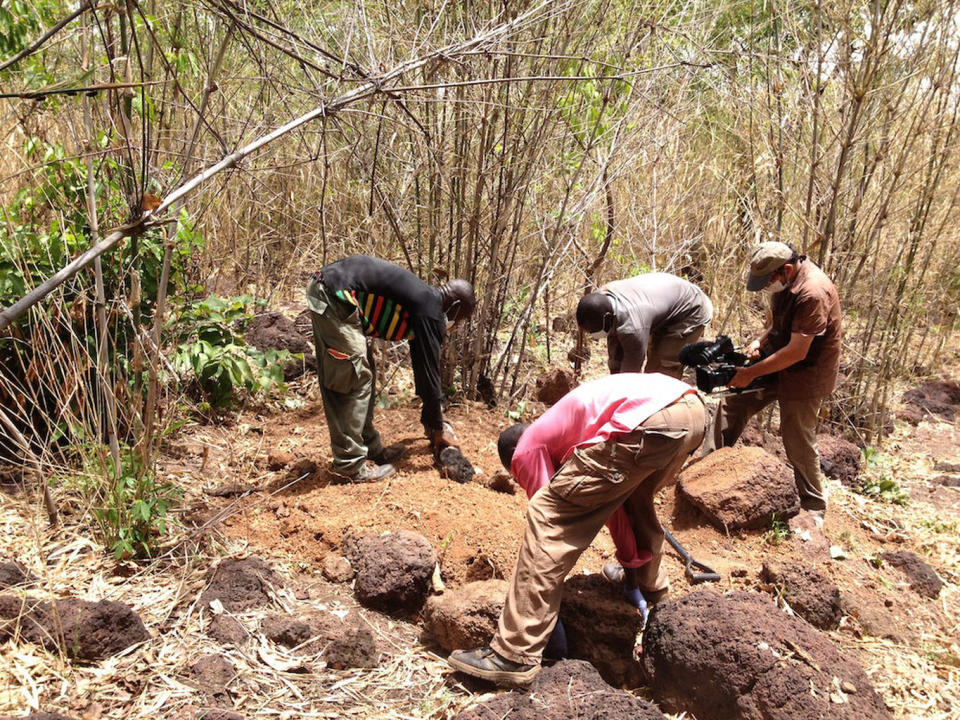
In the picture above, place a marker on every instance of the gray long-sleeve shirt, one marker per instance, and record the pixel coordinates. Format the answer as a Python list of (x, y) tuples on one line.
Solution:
[(657, 304)]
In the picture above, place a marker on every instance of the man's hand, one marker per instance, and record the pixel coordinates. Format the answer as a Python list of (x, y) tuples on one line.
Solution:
[(753, 350), (744, 377)]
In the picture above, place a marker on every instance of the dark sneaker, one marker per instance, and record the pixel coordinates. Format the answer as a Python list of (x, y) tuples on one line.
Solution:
[(369, 472), (486, 664), (614, 573), (389, 454)]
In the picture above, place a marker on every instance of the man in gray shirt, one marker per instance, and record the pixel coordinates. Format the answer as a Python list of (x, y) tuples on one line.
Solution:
[(646, 319)]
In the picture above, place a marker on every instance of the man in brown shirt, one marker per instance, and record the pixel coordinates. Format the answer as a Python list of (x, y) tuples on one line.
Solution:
[(802, 345)]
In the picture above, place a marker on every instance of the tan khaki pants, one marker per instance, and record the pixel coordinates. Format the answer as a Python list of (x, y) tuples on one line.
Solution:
[(798, 430), (664, 349), (564, 517)]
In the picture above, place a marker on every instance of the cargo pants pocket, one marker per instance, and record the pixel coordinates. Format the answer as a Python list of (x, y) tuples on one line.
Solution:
[(339, 371)]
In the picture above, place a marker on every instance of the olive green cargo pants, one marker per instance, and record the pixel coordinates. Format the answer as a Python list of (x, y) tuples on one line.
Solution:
[(347, 378)]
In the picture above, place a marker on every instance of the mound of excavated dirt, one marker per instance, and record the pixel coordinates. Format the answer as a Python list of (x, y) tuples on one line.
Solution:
[(923, 579), (940, 398), (465, 617), (394, 570), (554, 384), (343, 643), (240, 584), (602, 628), (811, 595), (740, 487), (738, 657), (839, 459), (569, 689), (476, 531), (273, 331), (86, 631)]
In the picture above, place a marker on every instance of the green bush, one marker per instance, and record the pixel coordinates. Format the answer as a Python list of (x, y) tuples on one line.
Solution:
[(133, 510), (222, 365)]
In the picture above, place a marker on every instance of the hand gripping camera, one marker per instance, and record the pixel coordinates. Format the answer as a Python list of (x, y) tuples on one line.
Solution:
[(716, 362)]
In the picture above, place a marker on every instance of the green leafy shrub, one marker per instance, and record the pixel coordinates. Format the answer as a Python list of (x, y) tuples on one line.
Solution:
[(212, 351), (877, 482), (132, 515)]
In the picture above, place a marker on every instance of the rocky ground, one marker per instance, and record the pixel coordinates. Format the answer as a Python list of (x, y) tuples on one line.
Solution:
[(289, 595)]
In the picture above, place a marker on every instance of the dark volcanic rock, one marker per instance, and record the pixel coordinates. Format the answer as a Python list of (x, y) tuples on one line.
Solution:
[(13, 573), (839, 459), (946, 467), (938, 398), (811, 595), (227, 630), (393, 570), (738, 657), (554, 384), (923, 579), (273, 331), (602, 628), (740, 487), (86, 631), (343, 643), (947, 480), (567, 690), (240, 584), (465, 617), (755, 435), (455, 466)]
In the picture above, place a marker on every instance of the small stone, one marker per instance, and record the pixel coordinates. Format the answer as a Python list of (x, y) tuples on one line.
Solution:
[(278, 459), (837, 698), (501, 481), (227, 630), (837, 552), (848, 687), (213, 670), (337, 568)]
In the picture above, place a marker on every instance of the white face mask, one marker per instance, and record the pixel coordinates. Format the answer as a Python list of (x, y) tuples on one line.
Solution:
[(774, 288)]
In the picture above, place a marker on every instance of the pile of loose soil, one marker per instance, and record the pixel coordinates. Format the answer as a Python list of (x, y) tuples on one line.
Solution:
[(475, 530)]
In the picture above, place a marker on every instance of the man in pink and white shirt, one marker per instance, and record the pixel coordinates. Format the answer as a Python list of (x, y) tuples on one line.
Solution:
[(599, 455)]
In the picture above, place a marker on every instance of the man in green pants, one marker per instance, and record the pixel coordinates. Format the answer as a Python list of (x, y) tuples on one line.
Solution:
[(360, 297)]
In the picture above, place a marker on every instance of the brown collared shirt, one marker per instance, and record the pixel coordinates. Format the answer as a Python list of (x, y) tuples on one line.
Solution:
[(809, 305)]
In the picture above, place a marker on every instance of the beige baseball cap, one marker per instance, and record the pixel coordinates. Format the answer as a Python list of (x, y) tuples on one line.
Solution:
[(765, 260)]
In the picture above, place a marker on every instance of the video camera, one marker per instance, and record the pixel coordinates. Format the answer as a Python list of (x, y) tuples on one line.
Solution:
[(716, 362)]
